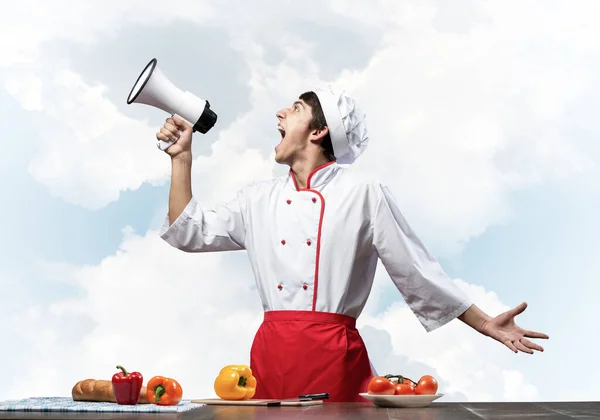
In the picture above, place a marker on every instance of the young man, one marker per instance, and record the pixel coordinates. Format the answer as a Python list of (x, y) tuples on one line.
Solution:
[(313, 238)]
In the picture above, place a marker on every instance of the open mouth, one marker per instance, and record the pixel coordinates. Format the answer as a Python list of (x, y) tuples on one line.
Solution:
[(282, 132)]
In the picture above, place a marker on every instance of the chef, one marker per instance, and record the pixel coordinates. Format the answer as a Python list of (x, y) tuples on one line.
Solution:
[(313, 237)]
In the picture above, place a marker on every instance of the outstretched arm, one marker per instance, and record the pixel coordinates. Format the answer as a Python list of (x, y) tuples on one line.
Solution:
[(503, 328), (426, 288)]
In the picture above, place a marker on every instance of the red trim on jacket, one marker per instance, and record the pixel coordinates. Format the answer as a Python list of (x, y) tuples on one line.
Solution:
[(318, 251), (310, 175), (318, 257), (314, 171)]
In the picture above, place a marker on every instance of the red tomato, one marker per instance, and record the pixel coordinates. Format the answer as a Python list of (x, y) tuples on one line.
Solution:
[(381, 386), (404, 389), (427, 385)]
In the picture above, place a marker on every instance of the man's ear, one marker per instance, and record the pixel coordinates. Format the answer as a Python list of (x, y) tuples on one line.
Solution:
[(317, 135)]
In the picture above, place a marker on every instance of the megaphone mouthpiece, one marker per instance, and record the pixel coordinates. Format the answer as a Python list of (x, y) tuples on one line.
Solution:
[(153, 88), (141, 81)]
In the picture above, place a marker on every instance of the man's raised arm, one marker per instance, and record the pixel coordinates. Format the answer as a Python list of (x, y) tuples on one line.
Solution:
[(188, 226), (180, 193)]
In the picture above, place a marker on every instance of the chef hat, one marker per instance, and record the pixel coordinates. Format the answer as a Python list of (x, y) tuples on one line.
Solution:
[(346, 123)]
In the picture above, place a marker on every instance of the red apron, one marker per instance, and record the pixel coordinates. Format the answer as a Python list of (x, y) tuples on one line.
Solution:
[(307, 352)]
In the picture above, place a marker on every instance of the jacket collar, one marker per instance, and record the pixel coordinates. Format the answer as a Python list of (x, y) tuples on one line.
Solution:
[(318, 178)]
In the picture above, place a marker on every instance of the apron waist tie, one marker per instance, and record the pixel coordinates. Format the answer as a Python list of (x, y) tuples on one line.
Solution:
[(310, 316)]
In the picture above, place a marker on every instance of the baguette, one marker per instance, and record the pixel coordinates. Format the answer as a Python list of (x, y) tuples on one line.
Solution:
[(100, 391)]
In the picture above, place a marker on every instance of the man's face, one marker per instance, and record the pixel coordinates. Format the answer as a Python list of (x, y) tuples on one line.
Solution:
[(295, 134)]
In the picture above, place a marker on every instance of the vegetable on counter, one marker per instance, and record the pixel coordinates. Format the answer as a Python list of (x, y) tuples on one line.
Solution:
[(427, 386), (235, 382), (164, 391), (401, 385), (99, 390), (380, 385), (127, 386)]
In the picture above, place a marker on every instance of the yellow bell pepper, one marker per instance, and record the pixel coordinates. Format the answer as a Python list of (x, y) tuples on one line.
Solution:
[(235, 382)]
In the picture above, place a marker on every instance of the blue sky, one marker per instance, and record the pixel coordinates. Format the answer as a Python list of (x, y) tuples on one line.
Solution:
[(492, 155)]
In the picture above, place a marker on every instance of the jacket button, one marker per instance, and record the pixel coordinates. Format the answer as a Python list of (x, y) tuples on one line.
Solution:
[(304, 286), (289, 201), (314, 200), (308, 243), (283, 242), (279, 286)]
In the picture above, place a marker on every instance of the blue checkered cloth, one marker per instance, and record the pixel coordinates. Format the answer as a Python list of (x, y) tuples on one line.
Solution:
[(68, 404)]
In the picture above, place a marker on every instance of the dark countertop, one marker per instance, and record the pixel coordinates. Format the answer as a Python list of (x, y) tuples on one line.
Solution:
[(353, 411), (350, 411)]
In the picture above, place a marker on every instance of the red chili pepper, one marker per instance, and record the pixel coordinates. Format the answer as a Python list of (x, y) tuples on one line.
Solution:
[(127, 386)]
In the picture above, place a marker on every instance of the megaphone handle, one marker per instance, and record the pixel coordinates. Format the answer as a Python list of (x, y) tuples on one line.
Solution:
[(164, 145)]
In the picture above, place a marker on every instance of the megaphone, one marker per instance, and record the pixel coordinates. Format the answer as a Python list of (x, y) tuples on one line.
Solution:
[(153, 88)]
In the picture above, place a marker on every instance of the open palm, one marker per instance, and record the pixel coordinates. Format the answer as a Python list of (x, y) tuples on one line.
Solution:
[(504, 329)]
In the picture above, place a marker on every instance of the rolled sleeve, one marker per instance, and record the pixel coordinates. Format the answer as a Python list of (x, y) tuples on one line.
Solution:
[(199, 229)]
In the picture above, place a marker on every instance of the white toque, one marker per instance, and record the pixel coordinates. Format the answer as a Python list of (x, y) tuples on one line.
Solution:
[(346, 123)]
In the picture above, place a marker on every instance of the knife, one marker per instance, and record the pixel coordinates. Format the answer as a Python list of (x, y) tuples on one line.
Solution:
[(308, 397), (305, 397)]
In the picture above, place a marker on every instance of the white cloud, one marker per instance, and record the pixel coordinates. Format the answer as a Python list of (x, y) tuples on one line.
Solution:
[(26, 87), (459, 122), (30, 24), (87, 151), (516, 387)]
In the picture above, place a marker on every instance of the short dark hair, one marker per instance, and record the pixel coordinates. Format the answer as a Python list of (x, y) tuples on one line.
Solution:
[(318, 122)]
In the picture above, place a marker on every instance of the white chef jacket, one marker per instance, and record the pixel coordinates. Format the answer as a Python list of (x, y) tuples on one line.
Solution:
[(316, 249)]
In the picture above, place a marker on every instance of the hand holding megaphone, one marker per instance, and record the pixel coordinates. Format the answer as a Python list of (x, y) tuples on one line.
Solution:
[(177, 134), (154, 89)]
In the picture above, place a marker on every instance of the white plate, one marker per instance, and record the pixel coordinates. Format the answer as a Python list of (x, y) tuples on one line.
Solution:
[(401, 400)]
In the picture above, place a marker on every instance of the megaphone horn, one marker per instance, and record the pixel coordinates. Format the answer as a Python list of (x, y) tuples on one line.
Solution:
[(153, 88)]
